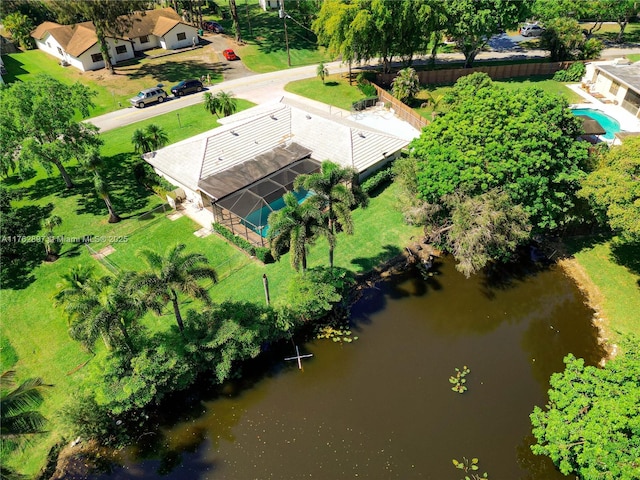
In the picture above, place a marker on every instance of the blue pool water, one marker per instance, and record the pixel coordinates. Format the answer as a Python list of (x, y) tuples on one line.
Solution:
[(257, 220), (611, 125)]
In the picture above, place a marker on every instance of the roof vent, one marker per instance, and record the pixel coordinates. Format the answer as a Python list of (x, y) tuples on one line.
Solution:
[(308, 116), (361, 135), (273, 117), (233, 132)]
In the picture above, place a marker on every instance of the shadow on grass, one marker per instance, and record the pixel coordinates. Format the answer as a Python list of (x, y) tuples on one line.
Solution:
[(627, 255), (14, 68), (331, 84), (366, 264), (175, 71), (22, 251)]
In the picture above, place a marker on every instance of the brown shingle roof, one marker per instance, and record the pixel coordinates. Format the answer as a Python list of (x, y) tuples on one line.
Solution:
[(43, 28), (84, 37), (163, 25)]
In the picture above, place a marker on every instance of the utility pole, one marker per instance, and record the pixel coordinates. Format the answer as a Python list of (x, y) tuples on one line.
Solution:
[(283, 16)]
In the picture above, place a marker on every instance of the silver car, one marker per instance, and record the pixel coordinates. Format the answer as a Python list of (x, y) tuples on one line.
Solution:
[(150, 95), (531, 30)]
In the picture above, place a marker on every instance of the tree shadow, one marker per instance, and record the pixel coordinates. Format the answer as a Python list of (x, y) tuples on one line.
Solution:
[(23, 251), (366, 264), (175, 71), (627, 255), (53, 185), (14, 69)]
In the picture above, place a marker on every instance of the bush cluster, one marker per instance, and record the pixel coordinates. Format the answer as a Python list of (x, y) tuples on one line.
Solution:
[(572, 74), (261, 253), (379, 179)]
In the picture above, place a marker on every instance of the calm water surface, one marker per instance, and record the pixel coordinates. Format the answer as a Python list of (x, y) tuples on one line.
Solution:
[(382, 406)]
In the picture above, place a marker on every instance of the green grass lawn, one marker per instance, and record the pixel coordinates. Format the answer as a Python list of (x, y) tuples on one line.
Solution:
[(336, 91), (615, 270), (634, 57), (263, 31)]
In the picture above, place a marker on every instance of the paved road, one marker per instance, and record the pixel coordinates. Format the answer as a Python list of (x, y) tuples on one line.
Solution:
[(270, 86)]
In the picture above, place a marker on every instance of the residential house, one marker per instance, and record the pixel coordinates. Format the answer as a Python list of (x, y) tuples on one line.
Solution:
[(238, 172), (616, 81), (77, 45)]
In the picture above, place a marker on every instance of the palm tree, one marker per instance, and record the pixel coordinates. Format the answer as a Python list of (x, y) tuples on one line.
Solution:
[(156, 136), (140, 141), (106, 307), (336, 191), (19, 416), (406, 84), (51, 245), (211, 104), (226, 103), (72, 282), (294, 227), (93, 162), (322, 72), (176, 272)]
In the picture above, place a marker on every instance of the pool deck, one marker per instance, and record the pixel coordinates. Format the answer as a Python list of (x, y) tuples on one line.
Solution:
[(628, 122)]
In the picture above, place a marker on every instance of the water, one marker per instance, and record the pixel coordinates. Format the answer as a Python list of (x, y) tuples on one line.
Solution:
[(258, 219), (382, 406), (610, 124)]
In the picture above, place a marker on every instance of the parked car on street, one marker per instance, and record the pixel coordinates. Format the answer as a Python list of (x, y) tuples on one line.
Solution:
[(150, 95), (214, 27), (531, 30), (187, 86), (230, 54)]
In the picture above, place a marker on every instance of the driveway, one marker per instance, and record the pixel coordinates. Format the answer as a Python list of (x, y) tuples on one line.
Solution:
[(230, 70)]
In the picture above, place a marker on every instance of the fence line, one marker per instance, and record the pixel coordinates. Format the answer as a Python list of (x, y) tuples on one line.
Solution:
[(103, 260), (402, 111), (496, 72)]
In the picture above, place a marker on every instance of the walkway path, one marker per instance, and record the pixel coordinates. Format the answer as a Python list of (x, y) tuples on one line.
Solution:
[(270, 86)]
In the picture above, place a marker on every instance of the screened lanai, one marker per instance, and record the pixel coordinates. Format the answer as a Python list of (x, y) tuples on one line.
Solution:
[(243, 197)]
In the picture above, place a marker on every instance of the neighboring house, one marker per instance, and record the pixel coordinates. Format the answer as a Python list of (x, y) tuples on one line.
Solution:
[(238, 172), (77, 45), (269, 4), (616, 82)]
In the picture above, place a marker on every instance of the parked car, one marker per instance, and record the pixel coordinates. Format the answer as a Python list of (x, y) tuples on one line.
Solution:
[(214, 27), (230, 54), (186, 86), (150, 95), (531, 30)]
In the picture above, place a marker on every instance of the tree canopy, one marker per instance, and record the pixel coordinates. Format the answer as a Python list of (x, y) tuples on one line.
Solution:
[(591, 425), (38, 124), (522, 141), (613, 189)]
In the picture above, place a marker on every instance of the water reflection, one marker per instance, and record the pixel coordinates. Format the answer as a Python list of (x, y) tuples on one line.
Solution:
[(382, 407)]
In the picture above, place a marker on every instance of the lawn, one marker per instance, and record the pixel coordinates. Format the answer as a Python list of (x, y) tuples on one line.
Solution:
[(336, 90), (113, 91), (263, 33), (615, 270)]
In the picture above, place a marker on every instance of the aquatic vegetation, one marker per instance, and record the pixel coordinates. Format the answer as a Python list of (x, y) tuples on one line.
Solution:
[(458, 379), (337, 334), (469, 465)]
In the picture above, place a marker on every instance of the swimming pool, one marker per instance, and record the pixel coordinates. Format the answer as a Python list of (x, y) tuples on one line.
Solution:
[(258, 219), (611, 125)]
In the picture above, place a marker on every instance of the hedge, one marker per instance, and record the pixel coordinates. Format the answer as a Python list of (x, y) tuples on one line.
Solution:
[(261, 253)]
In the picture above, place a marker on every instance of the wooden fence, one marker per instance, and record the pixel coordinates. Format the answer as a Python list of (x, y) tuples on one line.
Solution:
[(449, 76), (402, 111)]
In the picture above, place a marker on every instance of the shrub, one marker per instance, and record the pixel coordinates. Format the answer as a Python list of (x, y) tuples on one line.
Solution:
[(367, 89), (572, 74), (381, 178), (364, 78), (261, 253)]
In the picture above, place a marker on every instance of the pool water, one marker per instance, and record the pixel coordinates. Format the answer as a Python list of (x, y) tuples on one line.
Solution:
[(611, 125), (258, 219)]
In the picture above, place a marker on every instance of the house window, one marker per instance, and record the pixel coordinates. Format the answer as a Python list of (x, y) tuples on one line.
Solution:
[(96, 57), (48, 44), (120, 49), (144, 39), (182, 36), (60, 51), (615, 86)]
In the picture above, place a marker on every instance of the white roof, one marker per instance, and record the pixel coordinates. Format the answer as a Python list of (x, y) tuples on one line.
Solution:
[(262, 128)]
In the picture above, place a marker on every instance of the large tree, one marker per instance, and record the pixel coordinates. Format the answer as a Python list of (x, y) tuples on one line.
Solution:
[(591, 425), (20, 27), (110, 19), (521, 141), (613, 189), (38, 124), (471, 23), (293, 228), (621, 11), (336, 190), (175, 272)]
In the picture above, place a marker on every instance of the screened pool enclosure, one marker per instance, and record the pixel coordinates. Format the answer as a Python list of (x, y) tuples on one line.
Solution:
[(242, 197)]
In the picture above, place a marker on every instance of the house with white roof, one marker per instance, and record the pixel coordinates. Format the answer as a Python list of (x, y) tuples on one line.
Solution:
[(77, 45), (616, 81), (239, 172)]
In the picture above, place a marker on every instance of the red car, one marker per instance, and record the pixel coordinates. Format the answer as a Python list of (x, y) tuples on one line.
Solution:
[(230, 54)]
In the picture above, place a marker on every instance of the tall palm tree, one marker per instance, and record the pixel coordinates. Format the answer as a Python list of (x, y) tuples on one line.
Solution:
[(176, 272), (51, 245), (212, 104), (93, 162), (140, 141), (72, 283), (19, 417), (294, 227), (336, 191), (157, 136), (106, 307)]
